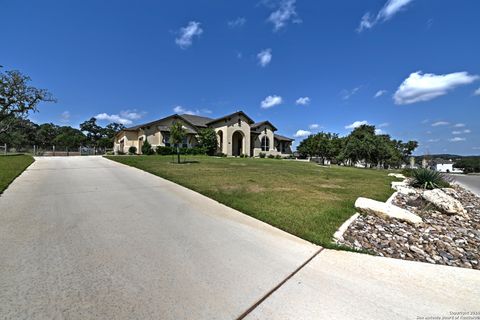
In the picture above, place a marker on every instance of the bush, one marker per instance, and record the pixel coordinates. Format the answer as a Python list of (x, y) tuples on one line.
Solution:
[(147, 148), (165, 151), (278, 156), (220, 154), (243, 155), (271, 156), (429, 179), (132, 150), (262, 155), (120, 153), (407, 172)]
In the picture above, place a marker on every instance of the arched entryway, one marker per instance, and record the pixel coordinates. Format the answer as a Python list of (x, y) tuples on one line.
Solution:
[(237, 143)]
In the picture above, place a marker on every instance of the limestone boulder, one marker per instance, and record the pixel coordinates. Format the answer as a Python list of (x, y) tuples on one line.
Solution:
[(443, 201), (396, 184), (397, 175), (385, 211)]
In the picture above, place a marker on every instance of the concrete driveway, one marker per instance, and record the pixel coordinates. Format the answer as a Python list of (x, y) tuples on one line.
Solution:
[(88, 238)]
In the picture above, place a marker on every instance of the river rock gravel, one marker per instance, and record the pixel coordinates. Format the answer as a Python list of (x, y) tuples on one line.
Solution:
[(452, 240)]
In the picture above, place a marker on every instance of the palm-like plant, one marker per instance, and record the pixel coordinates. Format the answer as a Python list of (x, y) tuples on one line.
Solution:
[(177, 134), (429, 179)]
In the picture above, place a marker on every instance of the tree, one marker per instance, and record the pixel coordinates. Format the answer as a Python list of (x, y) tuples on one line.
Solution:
[(147, 148), (21, 134), (93, 130), (108, 134), (45, 134), (207, 139), (17, 98), (307, 147), (69, 138), (177, 134)]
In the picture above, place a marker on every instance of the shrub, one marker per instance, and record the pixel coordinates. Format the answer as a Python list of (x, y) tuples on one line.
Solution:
[(407, 172), (278, 156), (120, 153), (132, 150), (165, 151), (220, 154), (243, 155), (271, 156), (262, 155), (429, 179), (207, 139), (147, 148)]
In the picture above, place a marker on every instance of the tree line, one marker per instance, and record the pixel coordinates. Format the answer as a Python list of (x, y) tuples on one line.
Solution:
[(18, 98), (361, 145)]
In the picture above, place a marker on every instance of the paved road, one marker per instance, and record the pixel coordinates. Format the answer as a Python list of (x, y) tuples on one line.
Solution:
[(471, 182), (87, 238)]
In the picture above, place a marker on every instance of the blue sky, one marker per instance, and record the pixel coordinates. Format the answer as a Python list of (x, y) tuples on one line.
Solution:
[(409, 66)]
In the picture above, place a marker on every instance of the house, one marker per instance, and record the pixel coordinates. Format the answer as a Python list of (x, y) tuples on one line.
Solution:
[(237, 135), (441, 165)]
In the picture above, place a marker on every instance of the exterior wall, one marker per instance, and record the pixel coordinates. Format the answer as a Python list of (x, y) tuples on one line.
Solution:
[(265, 130), (229, 127), (447, 167), (130, 138)]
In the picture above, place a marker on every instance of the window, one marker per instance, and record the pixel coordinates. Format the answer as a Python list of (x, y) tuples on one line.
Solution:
[(185, 142), (265, 143), (166, 139), (239, 122)]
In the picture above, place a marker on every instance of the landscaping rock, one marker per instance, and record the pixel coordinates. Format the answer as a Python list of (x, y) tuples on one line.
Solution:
[(443, 201), (386, 211), (406, 190), (396, 184), (452, 240), (397, 175)]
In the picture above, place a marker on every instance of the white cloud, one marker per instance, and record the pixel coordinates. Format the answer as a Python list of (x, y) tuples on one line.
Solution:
[(113, 118), (264, 57), (433, 140), (356, 124), (271, 101), (303, 101), (383, 125), (285, 12), (346, 94), (380, 93), (459, 125), (379, 131), (302, 133), (314, 126), (423, 87), (476, 148), (187, 33), (457, 139), (457, 132), (440, 123), (183, 110), (65, 116), (477, 92), (390, 8), (237, 23), (131, 114)]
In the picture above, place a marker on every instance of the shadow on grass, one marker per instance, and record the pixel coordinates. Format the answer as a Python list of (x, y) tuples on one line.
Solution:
[(185, 162)]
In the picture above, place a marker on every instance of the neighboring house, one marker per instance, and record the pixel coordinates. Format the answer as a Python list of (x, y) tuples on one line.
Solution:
[(237, 134), (441, 165)]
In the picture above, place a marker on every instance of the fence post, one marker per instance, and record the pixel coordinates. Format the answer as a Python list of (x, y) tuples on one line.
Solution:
[(5, 146), (34, 152), (54, 151)]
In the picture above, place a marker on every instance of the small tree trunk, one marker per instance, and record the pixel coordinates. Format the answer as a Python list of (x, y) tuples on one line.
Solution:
[(178, 154)]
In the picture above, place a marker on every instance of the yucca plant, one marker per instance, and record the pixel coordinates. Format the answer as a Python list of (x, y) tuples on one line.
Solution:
[(429, 179)]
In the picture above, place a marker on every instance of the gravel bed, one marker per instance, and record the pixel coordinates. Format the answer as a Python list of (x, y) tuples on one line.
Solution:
[(452, 240)]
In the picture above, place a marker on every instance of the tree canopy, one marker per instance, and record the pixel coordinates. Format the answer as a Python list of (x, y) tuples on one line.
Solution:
[(361, 145)]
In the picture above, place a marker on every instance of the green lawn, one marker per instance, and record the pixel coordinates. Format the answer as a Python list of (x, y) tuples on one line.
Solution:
[(11, 167), (301, 198)]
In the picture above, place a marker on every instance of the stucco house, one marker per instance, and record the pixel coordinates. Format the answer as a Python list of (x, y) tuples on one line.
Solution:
[(237, 134)]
